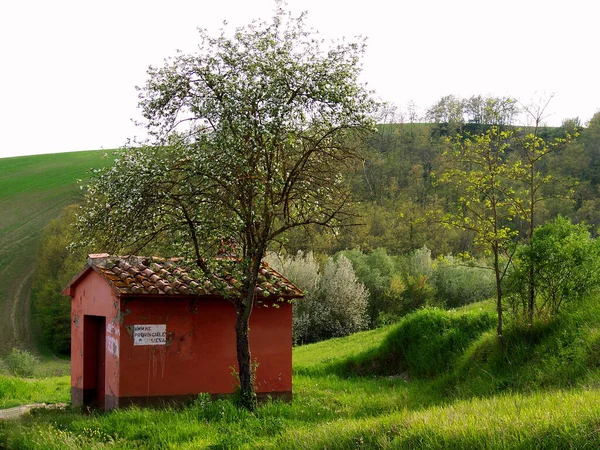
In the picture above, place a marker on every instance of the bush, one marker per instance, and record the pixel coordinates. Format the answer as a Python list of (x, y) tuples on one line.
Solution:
[(21, 363), (420, 263), (417, 294), (379, 273), (397, 284), (346, 298), (335, 302), (303, 271), (566, 262), (424, 343)]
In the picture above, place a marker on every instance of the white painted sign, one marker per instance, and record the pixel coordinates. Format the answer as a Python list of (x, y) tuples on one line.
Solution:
[(150, 334)]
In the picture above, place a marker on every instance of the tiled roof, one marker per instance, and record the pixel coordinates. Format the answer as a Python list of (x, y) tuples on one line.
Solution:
[(136, 275)]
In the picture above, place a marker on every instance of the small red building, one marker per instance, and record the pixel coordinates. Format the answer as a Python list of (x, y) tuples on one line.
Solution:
[(146, 331)]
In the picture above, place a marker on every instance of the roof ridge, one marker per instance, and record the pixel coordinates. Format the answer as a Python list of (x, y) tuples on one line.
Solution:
[(142, 275)]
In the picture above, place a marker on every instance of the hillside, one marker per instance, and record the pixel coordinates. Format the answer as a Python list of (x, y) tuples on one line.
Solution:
[(33, 190)]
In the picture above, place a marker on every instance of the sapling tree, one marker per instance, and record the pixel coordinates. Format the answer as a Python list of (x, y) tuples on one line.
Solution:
[(480, 176), (533, 150), (248, 137)]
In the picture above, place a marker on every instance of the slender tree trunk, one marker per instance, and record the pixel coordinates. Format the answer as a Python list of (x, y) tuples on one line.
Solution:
[(498, 296), (531, 263)]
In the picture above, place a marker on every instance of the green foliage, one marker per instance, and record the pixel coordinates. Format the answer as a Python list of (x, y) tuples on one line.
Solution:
[(56, 266), (21, 363), (398, 285), (480, 177), (380, 274), (566, 260)]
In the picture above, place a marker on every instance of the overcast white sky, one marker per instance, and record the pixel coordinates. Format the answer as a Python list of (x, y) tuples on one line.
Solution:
[(69, 68)]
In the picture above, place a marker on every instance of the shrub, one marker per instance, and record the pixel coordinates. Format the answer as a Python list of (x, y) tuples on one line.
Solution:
[(417, 293), (420, 263), (345, 297), (303, 271), (21, 363), (424, 343), (379, 273), (566, 262), (335, 302)]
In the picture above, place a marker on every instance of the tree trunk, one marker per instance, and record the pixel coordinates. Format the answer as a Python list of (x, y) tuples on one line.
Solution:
[(243, 309), (244, 358), (531, 306)]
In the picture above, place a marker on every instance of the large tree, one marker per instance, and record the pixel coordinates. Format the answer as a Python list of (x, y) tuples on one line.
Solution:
[(248, 138)]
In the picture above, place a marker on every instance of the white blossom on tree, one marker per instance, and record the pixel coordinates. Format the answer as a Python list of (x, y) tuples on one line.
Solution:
[(248, 138)]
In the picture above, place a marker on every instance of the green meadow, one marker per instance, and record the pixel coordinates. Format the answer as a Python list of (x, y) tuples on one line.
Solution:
[(542, 393), (33, 191)]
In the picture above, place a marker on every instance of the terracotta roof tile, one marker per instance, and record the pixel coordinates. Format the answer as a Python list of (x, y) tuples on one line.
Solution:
[(156, 276)]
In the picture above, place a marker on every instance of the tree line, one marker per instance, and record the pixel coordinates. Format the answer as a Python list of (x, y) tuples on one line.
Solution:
[(401, 257)]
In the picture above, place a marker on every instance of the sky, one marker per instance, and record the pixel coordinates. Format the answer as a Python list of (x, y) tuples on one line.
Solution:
[(69, 68)]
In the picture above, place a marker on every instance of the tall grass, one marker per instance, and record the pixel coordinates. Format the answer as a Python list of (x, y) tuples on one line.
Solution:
[(424, 344), (16, 391)]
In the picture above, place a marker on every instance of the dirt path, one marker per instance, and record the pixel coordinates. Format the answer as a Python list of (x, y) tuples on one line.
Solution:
[(19, 411), (20, 312)]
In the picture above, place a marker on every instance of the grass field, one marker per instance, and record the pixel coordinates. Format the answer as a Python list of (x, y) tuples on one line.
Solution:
[(33, 191), (447, 411)]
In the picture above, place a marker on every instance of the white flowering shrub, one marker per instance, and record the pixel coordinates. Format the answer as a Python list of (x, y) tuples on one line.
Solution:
[(420, 263), (303, 271), (335, 302), (345, 296)]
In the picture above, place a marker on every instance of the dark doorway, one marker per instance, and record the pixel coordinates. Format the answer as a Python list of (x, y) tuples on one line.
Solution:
[(94, 359)]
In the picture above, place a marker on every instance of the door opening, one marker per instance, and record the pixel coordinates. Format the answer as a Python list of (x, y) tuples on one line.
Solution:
[(94, 360)]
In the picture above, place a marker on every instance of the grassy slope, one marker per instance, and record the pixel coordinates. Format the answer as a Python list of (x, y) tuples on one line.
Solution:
[(331, 411), (33, 190)]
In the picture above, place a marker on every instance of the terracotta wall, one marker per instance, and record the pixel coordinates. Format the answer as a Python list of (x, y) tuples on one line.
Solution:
[(200, 348)]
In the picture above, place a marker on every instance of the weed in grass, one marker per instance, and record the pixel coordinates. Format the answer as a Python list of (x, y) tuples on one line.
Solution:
[(21, 363)]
